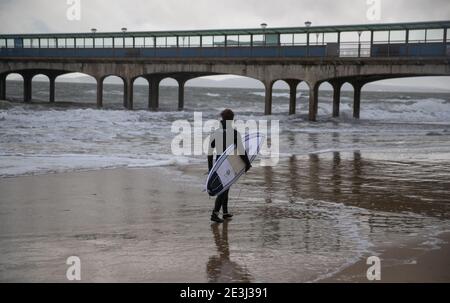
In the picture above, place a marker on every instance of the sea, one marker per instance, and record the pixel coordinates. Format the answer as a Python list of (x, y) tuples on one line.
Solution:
[(342, 187)]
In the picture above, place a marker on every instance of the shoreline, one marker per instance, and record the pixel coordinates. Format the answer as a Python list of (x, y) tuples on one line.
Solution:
[(411, 263), (80, 220)]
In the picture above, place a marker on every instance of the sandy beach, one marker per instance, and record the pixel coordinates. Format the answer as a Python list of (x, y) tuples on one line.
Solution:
[(152, 225)]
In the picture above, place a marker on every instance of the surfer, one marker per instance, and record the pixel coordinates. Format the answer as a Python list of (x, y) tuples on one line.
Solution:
[(219, 140)]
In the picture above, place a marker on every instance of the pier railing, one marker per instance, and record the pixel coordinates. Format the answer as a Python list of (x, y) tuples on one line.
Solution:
[(424, 39)]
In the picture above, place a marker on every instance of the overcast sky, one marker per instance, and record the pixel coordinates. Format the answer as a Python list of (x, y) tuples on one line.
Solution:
[(39, 16), (17, 16)]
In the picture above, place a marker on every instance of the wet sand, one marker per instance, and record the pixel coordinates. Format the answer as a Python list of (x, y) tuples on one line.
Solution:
[(412, 263), (152, 225), (126, 225)]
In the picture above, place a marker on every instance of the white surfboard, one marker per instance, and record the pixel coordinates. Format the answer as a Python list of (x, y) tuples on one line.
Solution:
[(230, 166)]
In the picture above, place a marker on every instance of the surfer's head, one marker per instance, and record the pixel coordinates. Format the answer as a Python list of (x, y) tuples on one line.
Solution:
[(227, 114)]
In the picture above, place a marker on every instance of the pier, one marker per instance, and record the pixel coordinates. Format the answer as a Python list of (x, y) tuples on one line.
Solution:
[(354, 54)]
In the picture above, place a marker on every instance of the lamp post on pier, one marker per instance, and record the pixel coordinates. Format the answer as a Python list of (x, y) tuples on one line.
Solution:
[(359, 43), (264, 26), (307, 25), (124, 31), (93, 31)]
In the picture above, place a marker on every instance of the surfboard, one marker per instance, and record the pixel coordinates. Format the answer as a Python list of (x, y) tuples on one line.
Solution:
[(230, 166)]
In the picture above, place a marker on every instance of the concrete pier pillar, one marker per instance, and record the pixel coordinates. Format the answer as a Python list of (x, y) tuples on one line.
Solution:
[(181, 84), (313, 100), (268, 98), (2, 87), (153, 96), (336, 98), (27, 87), (357, 100), (52, 80), (128, 94), (99, 92), (125, 93), (150, 99), (293, 84)]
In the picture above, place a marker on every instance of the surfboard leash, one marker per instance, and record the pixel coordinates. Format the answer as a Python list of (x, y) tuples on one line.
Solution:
[(240, 189)]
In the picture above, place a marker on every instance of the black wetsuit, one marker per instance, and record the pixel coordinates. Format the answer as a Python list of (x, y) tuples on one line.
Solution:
[(222, 199)]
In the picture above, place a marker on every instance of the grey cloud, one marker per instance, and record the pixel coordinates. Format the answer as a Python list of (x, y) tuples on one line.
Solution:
[(21, 15)]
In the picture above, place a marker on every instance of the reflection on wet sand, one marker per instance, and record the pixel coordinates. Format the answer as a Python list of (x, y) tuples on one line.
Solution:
[(350, 178), (325, 209), (268, 173), (220, 268), (303, 202), (336, 176)]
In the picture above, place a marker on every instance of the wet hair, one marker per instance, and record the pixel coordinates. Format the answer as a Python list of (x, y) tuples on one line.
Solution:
[(227, 114)]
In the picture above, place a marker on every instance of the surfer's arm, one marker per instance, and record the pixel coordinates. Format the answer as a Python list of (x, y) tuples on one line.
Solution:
[(248, 165), (241, 151), (210, 162)]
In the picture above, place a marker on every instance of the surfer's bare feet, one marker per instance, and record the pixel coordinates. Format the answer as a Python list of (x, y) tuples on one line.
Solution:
[(227, 216)]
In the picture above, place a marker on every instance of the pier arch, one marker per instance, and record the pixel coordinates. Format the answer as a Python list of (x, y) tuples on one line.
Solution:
[(116, 93), (325, 93), (12, 86), (44, 81), (290, 84), (63, 83), (168, 90), (141, 87)]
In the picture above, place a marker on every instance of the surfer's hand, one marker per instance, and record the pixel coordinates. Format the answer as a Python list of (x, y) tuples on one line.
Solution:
[(248, 167)]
